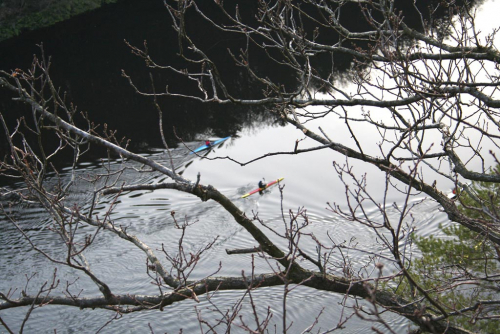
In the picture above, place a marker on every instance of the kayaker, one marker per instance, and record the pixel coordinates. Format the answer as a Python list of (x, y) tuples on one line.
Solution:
[(262, 185), (208, 143)]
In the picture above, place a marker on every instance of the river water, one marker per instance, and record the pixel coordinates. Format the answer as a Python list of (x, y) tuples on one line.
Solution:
[(310, 182), (147, 215)]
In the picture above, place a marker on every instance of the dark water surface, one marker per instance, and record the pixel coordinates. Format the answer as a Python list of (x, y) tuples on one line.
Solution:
[(97, 50), (88, 54)]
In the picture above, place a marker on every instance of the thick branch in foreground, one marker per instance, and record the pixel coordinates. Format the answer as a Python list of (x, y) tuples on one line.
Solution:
[(131, 303), (148, 302)]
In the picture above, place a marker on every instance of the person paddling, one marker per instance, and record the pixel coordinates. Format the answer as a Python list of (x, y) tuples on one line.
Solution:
[(208, 143), (262, 187)]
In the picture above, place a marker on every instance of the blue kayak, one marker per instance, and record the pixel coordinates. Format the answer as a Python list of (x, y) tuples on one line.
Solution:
[(204, 147)]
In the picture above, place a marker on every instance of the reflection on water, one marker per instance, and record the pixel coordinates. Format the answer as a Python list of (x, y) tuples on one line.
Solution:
[(147, 215)]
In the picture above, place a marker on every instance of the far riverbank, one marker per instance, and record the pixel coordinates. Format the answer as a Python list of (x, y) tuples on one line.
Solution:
[(17, 17)]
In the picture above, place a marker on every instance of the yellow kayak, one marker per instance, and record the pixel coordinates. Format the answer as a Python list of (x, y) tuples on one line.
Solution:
[(260, 189)]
